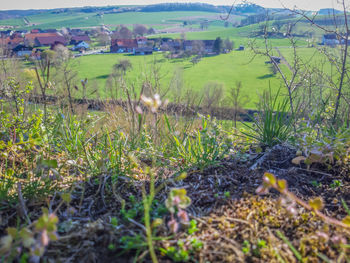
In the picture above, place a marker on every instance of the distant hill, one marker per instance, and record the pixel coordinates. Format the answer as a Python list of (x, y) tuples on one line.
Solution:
[(9, 14), (329, 11), (249, 8), (166, 7)]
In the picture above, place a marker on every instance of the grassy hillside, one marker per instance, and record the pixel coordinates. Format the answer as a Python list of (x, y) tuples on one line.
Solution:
[(240, 36), (76, 19)]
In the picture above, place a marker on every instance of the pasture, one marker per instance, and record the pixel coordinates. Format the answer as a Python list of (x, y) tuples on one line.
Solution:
[(226, 69), (78, 19)]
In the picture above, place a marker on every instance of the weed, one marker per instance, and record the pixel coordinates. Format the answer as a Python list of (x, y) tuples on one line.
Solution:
[(273, 124), (246, 247), (32, 239), (201, 149), (336, 184)]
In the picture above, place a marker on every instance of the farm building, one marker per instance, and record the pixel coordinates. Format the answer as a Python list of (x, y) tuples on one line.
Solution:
[(11, 42), (171, 44), (141, 41), (49, 41), (330, 40), (29, 39), (123, 45), (81, 46), (143, 51), (76, 39), (209, 45)]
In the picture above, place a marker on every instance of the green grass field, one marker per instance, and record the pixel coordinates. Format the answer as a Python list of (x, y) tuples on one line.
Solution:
[(240, 36), (76, 19), (227, 69)]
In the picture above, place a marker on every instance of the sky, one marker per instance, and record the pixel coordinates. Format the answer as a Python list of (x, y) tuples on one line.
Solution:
[(45, 4)]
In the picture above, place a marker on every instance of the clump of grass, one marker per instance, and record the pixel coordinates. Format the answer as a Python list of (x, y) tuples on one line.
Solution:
[(273, 124)]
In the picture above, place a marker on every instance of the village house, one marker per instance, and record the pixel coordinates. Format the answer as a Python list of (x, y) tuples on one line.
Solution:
[(208, 45), (143, 51), (171, 44), (141, 41), (29, 39), (330, 40), (81, 46), (188, 45), (76, 39), (123, 45), (6, 33), (35, 31), (49, 41), (50, 30), (21, 50), (76, 32), (11, 42)]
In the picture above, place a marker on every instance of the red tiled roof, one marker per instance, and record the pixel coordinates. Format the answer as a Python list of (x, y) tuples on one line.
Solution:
[(50, 40), (129, 43), (32, 36), (11, 41)]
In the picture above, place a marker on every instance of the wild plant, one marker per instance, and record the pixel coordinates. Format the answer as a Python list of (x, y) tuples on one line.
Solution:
[(29, 242), (71, 134), (201, 148), (176, 203), (273, 124), (290, 200), (322, 144)]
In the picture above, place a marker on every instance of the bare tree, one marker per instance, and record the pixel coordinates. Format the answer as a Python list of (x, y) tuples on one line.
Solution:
[(195, 60), (198, 48), (177, 85), (139, 30), (66, 73), (103, 39), (338, 61), (212, 95), (237, 100), (123, 65), (42, 69), (151, 31), (228, 45), (123, 33)]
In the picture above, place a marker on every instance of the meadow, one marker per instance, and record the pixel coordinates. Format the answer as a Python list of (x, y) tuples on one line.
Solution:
[(227, 69), (76, 19)]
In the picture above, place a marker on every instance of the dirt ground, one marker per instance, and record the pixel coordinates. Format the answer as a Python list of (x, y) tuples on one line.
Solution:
[(234, 223)]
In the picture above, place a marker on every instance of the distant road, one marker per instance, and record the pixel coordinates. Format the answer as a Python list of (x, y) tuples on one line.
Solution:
[(92, 52)]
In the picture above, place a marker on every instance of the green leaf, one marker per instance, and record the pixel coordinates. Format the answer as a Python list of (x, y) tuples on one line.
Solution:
[(67, 197), (53, 236), (50, 163), (114, 221), (12, 232)]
